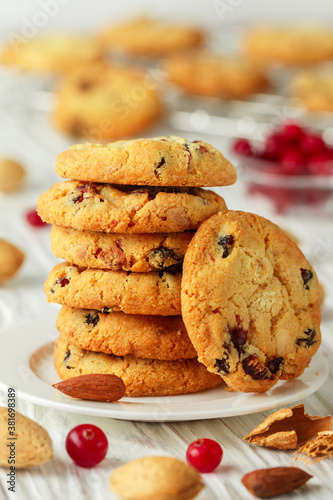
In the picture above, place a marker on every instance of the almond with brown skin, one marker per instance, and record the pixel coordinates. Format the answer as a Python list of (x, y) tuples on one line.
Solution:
[(266, 483), (94, 386)]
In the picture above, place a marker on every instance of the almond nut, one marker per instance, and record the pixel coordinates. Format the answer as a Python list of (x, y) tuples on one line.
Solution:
[(11, 259), (29, 446), (265, 483), (93, 386), (156, 478)]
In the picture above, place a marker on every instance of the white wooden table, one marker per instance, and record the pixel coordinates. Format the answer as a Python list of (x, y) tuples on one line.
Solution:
[(28, 136)]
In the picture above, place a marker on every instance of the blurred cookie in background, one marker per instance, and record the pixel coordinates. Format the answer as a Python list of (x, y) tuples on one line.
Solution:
[(146, 36), (12, 175), (214, 75), (100, 102), (314, 89), (289, 45), (51, 53)]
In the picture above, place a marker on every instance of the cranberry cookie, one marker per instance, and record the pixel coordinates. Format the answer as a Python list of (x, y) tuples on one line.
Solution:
[(127, 252), (127, 209), (314, 89), (133, 293), (153, 337), (250, 301), (142, 377), (160, 161)]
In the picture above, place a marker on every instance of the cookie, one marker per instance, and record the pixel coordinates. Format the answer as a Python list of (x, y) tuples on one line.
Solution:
[(314, 89), (142, 377), (133, 293), (289, 45), (214, 75), (160, 161), (250, 301), (145, 36), (127, 252), (102, 102), (52, 53), (127, 209), (153, 337)]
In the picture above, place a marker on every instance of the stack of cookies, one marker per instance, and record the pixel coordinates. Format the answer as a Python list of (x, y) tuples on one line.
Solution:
[(123, 227)]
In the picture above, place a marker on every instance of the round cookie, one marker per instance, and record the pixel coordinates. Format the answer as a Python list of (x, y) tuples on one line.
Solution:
[(127, 209), (160, 161), (314, 89), (133, 293), (127, 252), (145, 36), (289, 45), (250, 301), (102, 102), (52, 53), (153, 337), (142, 377), (214, 75)]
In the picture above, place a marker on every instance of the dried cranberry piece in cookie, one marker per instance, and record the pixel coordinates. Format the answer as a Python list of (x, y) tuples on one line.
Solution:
[(276, 365), (222, 366), (307, 275), (238, 337), (84, 189), (308, 340), (62, 282), (226, 242), (92, 319), (164, 258), (159, 167), (202, 148), (255, 369)]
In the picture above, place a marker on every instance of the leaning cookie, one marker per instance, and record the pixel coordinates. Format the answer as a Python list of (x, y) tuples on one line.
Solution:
[(133, 293), (159, 161), (214, 75), (153, 337), (140, 253), (250, 301), (102, 102), (127, 209), (52, 53), (142, 377)]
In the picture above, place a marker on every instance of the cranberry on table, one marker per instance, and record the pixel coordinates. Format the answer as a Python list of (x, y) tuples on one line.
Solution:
[(87, 445), (243, 147), (34, 219), (292, 162), (204, 455), (292, 132)]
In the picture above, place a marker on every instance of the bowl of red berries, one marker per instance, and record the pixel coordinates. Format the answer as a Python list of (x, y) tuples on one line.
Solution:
[(292, 167)]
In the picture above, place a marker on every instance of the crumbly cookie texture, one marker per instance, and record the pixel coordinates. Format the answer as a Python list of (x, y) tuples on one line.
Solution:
[(11, 260), (133, 293), (160, 161), (101, 102), (250, 301), (314, 89), (142, 377), (127, 252), (52, 53), (33, 445), (146, 36), (153, 337), (289, 45), (12, 175), (214, 75), (127, 209)]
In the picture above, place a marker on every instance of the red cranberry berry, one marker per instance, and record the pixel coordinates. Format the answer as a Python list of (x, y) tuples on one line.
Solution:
[(292, 132), (243, 147), (292, 162), (274, 146), (34, 219), (87, 445), (312, 144), (204, 455)]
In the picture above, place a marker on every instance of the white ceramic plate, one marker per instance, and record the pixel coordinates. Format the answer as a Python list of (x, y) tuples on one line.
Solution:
[(27, 365)]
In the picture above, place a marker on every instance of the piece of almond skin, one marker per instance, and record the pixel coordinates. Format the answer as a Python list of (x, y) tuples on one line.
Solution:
[(288, 428), (29, 445), (266, 483), (93, 386), (156, 478)]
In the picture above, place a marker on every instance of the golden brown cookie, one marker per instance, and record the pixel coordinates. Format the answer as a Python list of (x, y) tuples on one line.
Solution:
[(150, 37), (138, 253), (153, 337), (213, 75), (127, 209), (52, 53), (250, 301), (314, 89), (142, 377), (289, 45), (101, 102), (133, 293), (160, 161)]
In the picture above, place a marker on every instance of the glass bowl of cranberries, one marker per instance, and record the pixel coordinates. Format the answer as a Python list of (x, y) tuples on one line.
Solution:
[(292, 167)]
